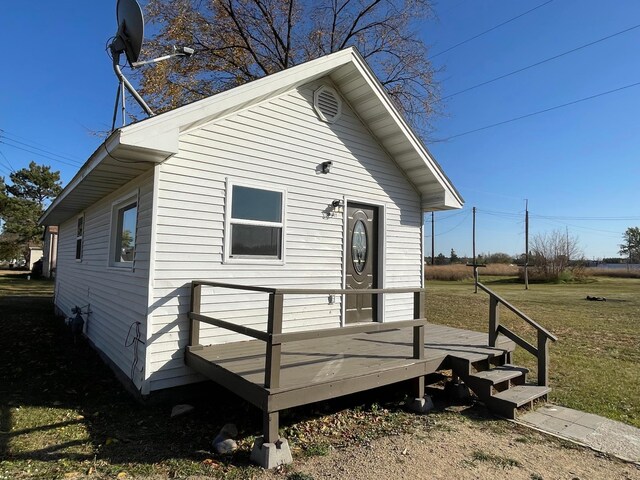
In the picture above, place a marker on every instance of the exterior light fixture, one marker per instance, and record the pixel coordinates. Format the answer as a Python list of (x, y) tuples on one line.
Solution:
[(326, 166), (338, 206)]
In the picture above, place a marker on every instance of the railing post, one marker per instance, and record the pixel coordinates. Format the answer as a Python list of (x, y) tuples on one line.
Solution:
[(494, 320), (543, 359), (418, 332), (274, 350), (194, 307)]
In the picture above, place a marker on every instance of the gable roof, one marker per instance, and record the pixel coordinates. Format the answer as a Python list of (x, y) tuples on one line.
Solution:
[(134, 149)]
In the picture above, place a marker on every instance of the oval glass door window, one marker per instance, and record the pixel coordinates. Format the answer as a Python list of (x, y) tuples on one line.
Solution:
[(359, 246)]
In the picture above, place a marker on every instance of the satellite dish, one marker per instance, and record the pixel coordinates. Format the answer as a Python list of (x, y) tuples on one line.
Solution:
[(128, 40), (130, 28)]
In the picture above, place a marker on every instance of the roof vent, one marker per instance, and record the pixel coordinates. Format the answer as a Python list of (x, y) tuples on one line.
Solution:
[(327, 103)]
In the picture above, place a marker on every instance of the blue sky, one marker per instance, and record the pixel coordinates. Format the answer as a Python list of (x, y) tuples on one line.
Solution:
[(578, 166)]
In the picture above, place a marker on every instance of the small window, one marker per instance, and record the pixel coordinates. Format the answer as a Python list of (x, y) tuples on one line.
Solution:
[(255, 228), (125, 216), (79, 236)]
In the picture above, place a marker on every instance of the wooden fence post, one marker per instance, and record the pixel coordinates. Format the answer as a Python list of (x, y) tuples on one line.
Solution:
[(274, 350), (194, 307), (494, 320), (543, 359)]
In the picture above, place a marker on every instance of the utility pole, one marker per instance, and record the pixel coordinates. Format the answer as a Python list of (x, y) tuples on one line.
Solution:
[(433, 239), (475, 263), (526, 244)]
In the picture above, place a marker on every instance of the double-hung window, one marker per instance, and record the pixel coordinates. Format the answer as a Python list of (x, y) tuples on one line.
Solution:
[(79, 237), (255, 223), (123, 234)]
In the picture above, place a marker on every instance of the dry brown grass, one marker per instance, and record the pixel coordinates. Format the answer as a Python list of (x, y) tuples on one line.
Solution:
[(463, 272), (612, 272)]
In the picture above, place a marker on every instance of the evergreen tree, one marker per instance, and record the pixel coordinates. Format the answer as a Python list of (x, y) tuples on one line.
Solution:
[(22, 203), (631, 244)]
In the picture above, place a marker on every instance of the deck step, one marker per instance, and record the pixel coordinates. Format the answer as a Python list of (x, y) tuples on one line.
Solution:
[(500, 374), (507, 402)]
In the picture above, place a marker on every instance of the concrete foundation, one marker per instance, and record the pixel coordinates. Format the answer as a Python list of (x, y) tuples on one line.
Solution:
[(271, 455), (421, 405)]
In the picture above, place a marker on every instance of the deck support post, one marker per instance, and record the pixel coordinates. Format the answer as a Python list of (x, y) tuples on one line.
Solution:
[(421, 404), (271, 425), (543, 359), (194, 328), (274, 350), (271, 451), (418, 332), (494, 320)]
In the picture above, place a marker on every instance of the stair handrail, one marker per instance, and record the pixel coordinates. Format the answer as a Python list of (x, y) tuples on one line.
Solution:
[(541, 352)]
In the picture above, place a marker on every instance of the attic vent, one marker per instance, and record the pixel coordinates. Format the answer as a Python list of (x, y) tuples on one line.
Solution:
[(327, 104)]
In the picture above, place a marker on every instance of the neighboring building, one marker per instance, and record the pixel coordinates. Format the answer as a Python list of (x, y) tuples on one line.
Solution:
[(35, 254), (50, 251), (308, 177)]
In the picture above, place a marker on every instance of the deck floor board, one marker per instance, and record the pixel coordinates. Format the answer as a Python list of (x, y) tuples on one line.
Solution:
[(327, 360)]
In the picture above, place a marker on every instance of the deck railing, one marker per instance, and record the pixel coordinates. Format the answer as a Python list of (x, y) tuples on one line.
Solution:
[(274, 337), (541, 352)]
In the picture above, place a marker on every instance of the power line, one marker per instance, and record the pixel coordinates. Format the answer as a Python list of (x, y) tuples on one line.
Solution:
[(457, 225), (49, 152), (521, 117), (7, 162), (39, 154), (489, 30), (599, 219), (540, 62), (11, 134)]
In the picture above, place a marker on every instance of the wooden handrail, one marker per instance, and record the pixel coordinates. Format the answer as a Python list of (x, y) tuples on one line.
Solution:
[(541, 352), (274, 337), (523, 316)]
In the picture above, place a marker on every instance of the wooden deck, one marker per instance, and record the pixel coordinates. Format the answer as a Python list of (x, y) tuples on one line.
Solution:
[(280, 370), (314, 370)]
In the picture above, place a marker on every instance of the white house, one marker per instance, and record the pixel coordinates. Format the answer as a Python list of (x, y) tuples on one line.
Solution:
[(307, 177)]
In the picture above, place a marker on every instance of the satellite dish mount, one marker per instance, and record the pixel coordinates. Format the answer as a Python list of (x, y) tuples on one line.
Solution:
[(128, 40)]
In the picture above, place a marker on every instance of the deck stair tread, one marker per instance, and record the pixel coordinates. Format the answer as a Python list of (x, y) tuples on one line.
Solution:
[(500, 374), (521, 394)]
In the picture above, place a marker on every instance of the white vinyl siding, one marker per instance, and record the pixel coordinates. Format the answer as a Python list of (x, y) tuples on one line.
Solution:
[(280, 142), (117, 297)]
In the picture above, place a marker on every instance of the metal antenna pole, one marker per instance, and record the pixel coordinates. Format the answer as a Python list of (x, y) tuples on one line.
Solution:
[(115, 108), (124, 105), (116, 68)]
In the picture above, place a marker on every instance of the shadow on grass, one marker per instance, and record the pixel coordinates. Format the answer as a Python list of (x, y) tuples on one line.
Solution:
[(62, 408)]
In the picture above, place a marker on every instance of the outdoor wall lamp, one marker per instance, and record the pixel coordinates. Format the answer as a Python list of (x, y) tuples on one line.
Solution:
[(338, 206), (326, 166)]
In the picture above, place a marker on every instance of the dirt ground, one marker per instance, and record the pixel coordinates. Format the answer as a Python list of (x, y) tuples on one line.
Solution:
[(461, 449)]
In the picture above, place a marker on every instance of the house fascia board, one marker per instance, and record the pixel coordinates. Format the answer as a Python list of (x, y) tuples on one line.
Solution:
[(193, 115), (454, 199), (112, 148)]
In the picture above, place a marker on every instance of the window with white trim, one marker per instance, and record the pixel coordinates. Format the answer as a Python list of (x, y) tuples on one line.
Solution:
[(123, 234), (255, 225), (79, 237)]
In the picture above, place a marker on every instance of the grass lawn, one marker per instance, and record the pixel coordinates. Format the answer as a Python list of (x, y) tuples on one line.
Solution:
[(595, 365), (64, 415)]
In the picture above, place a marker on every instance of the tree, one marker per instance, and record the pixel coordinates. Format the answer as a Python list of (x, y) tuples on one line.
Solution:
[(552, 253), (453, 258), (631, 244), (237, 41), (21, 204)]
